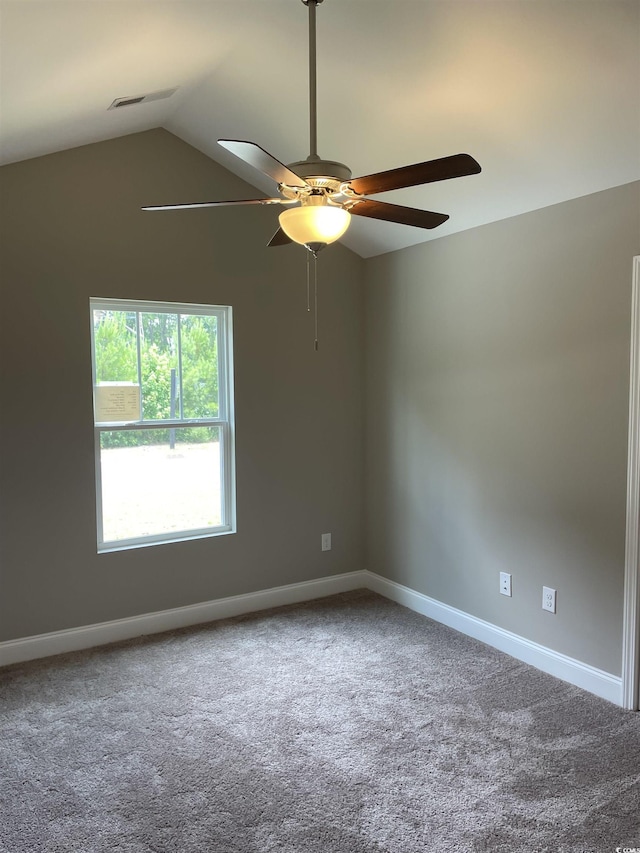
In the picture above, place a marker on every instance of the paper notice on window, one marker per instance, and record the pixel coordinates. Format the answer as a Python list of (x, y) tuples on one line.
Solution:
[(117, 402)]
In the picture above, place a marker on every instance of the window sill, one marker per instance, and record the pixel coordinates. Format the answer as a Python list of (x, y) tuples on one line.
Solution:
[(148, 542)]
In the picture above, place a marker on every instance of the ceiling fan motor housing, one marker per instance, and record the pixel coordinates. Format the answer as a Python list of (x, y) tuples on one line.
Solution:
[(313, 168)]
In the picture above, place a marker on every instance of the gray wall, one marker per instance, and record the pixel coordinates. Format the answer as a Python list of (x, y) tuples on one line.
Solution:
[(71, 228), (497, 371), (496, 392)]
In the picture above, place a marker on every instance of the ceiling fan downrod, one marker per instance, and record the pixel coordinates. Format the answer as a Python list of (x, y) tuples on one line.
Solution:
[(313, 86), (315, 166)]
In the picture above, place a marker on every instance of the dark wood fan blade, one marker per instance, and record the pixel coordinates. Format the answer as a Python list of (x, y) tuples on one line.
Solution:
[(279, 239), (398, 213), (455, 166), (216, 203), (261, 160)]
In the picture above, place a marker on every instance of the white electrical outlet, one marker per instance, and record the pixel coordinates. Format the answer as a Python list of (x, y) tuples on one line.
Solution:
[(505, 583), (548, 599), (326, 541)]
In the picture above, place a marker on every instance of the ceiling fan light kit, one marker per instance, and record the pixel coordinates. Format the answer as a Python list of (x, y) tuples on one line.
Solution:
[(321, 195), (315, 222)]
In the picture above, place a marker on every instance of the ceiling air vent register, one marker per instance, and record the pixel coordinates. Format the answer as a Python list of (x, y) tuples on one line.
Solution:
[(130, 100)]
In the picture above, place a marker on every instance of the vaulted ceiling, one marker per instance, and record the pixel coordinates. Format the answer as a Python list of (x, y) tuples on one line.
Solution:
[(545, 94)]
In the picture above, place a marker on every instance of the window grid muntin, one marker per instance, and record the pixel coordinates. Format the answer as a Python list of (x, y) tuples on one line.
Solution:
[(181, 397)]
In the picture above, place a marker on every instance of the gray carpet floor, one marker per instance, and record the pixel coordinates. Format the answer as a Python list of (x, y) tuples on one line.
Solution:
[(345, 725)]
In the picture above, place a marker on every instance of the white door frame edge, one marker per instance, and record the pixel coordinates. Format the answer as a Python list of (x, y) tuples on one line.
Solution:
[(631, 618)]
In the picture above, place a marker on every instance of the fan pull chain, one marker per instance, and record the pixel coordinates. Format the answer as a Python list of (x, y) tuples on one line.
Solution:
[(315, 299), (312, 254)]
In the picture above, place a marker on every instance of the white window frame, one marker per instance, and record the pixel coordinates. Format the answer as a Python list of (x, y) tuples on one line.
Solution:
[(224, 421)]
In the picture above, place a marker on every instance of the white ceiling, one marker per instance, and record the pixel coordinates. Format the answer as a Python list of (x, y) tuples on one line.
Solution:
[(545, 94)]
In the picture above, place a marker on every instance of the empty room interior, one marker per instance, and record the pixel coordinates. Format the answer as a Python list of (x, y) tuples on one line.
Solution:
[(320, 490)]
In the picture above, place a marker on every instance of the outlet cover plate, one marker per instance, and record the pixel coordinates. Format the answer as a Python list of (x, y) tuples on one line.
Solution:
[(505, 583), (326, 541), (548, 599)]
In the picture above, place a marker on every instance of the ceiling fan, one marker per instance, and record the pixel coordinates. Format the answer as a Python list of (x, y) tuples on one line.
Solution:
[(320, 195)]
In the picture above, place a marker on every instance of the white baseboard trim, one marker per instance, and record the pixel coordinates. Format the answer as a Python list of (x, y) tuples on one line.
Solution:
[(580, 674), (74, 639), (88, 636)]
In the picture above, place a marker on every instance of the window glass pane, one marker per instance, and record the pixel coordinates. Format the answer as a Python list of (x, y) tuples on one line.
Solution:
[(150, 488), (199, 341), (116, 353), (159, 366)]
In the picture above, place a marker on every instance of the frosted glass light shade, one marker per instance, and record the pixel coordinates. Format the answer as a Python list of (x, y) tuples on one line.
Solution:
[(314, 223)]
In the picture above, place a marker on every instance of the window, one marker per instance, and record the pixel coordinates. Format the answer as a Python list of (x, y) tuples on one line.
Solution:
[(163, 418)]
